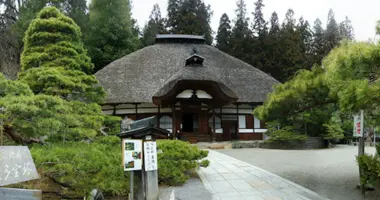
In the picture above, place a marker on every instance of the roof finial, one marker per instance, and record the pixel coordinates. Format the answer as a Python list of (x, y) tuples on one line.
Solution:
[(195, 50)]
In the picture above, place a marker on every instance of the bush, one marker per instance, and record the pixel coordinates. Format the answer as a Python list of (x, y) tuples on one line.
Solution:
[(369, 166), (177, 159), (81, 167), (286, 134)]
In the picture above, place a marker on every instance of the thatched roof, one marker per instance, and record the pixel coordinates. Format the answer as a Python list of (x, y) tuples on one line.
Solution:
[(153, 70)]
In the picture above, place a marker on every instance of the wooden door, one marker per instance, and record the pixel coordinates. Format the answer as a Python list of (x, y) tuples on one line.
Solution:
[(229, 130)]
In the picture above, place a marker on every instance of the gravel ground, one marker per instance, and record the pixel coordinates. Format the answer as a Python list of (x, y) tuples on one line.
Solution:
[(330, 172)]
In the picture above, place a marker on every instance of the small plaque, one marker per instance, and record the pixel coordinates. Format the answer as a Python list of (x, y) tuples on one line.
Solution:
[(132, 155), (16, 165), (150, 156)]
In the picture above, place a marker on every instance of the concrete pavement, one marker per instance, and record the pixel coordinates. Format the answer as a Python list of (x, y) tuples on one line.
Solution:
[(230, 179)]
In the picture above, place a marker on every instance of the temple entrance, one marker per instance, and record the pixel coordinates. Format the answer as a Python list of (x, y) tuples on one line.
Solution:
[(230, 130), (190, 122)]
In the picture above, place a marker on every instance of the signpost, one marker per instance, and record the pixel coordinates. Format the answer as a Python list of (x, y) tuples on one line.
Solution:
[(150, 152), (359, 131), (132, 159)]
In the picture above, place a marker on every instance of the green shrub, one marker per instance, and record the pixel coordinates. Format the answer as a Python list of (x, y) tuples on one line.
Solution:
[(81, 167), (370, 169), (177, 159), (286, 134)]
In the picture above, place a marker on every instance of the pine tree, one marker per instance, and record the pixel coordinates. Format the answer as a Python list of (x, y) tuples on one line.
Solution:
[(224, 34), (241, 34), (54, 61), (274, 24), (154, 26), (112, 35), (190, 17), (346, 30), (332, 36)]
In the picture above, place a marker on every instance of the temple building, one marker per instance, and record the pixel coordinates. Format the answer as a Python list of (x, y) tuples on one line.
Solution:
[(197, 92)]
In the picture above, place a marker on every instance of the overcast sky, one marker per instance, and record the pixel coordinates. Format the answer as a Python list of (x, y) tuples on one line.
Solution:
[(362, 13)]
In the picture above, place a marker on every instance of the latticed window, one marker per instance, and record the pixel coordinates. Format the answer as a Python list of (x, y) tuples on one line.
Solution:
[(218, 123), (166, 122)]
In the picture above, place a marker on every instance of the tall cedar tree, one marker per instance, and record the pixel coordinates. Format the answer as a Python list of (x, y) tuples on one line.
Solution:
[(273, 67), (112, 35), (291, 56), (54, 61), (332, 36), (306, 42), (241, 34), (224, 34), (346, 30), (318, 47), (259, 42), (154, 26), (190, 17)]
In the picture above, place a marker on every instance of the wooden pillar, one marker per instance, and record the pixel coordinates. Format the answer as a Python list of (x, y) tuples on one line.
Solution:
[(136, 111), (114, 110), (159, 116), (213, 125), (174, 126), (238, 125)]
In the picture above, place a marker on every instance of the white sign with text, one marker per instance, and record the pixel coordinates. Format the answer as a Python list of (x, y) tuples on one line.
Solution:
[(150, 156), (16, 165)]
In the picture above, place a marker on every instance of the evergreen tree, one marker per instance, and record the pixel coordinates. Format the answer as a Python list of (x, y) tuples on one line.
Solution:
[(378, 27), (241, 34), (259, 26), (291, 47), (173, 12), (318, 46), (112, 35), (259, 38), (224, 34), (154, 26), (306, 42), (346, 30), (273, 66), (190, 17), (332, 36), (274, 24), (54, 61)]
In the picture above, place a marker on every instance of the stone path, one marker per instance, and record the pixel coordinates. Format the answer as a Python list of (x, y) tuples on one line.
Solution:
[(193, 189), (230, 179)]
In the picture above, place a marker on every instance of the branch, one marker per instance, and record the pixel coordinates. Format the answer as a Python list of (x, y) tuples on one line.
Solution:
[(16, 137)]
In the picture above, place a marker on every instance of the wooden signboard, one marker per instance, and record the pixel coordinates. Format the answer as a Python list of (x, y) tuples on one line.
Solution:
[(132, 155), (150, 156), (16, 165)]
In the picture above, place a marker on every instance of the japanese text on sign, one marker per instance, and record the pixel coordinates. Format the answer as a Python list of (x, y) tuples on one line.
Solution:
[(132, 155), (16, 165), (150, 158)]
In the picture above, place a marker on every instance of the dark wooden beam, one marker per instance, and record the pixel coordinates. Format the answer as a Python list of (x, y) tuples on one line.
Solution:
[(213, 126)]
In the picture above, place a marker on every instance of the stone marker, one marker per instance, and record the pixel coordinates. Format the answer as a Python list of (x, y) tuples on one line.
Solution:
[(17, 194), (16, 165)]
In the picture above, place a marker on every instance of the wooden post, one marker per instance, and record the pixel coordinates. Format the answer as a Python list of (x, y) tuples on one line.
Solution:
[(213, 125), (159, 116), (131, 187), (174, 121), (136, 111)]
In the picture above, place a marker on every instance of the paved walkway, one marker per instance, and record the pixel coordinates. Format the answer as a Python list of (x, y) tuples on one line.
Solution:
[(230, 179)]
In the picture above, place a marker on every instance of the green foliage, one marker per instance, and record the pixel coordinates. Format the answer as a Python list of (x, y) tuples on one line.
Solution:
[(154, 26), (190, 17), (113, 124), (54, 61), (177, 160), (224, 34), (111, 34), (82, 167), (286, 134), (369, 166), (352, 71)]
